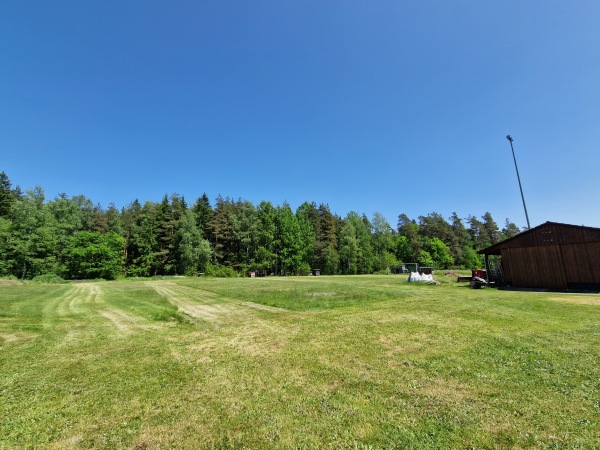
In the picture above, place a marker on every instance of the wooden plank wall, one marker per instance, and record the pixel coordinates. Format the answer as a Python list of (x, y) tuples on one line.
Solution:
[(534, 267), (582, 262)]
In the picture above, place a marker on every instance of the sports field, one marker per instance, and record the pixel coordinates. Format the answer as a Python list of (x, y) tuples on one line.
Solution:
[(298, 362)]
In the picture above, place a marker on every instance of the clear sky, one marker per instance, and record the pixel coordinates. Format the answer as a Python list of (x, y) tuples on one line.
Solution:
[(380, 106)]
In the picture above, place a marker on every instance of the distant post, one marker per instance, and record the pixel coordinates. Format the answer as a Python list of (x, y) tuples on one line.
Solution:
[(519, 178)]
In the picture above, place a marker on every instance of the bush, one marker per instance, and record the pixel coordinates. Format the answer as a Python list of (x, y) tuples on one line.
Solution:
[(9, 277), (49, 278), (304, 269), (218, 271)]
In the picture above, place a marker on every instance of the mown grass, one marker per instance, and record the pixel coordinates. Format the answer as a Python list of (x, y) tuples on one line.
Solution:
[(327, 362)]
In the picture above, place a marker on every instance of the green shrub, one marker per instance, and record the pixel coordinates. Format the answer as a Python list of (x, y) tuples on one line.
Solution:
[(218, 271), (9, 277), (50, 278), (304, 269)]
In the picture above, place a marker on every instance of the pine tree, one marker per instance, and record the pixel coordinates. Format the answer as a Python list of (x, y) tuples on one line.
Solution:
[(146, 248), (220, 230), (491, 228), (435, 226), (100, 219), (167, 220), (130, 218), (203, 212), (114, 220), (326, 240), (7, 197), (461, 239), (479, 233), (509, 230)]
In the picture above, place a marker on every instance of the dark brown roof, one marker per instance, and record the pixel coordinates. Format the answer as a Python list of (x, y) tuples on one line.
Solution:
[(549, 233)]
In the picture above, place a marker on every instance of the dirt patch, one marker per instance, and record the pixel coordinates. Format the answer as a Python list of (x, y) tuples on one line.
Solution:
[(16, 337), (70, 442), (578, 299), (10, 283), (322, 294)]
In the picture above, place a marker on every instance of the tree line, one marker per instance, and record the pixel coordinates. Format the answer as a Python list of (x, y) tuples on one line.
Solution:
[(76, 239)]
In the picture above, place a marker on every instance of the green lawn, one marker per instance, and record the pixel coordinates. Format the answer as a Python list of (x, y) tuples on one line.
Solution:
[(307, 362)]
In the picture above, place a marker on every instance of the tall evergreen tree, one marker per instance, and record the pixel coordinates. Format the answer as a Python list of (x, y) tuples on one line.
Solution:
[(168, 215), (509, 230), (203, 212), (491, 228), (220, 230), (113, 220), (435, 226), (131, 219), (326, 253), (146, 247), (461, 239), (6, 260), (479, 233), (7, 196), (100, 219)]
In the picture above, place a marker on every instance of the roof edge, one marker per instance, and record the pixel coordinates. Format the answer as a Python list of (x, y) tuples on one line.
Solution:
[(492, 248)]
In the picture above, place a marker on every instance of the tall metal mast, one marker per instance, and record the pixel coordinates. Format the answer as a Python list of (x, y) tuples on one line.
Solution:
[(519, 178)]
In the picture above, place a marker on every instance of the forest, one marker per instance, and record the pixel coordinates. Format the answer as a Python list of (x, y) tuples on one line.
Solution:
[(73, 238)]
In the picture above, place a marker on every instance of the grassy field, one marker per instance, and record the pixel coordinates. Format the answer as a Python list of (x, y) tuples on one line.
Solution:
[(308, 362)]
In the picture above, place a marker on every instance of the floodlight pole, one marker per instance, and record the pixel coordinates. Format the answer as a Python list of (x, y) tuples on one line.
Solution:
[(519, 178)]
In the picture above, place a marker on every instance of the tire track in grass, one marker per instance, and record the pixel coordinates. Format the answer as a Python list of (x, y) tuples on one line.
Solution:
[(248, 327), (85, 302), (62, 306), (207, 305), (197, 305), (122, 322)]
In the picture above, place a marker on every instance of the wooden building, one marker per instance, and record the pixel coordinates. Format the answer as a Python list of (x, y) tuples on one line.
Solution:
[(550, 256)]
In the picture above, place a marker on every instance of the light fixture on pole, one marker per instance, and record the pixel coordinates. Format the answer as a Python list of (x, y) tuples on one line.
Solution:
[(519, 178)]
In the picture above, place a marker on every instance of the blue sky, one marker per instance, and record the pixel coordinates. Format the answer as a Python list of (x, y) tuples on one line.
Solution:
[(388, 106)]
